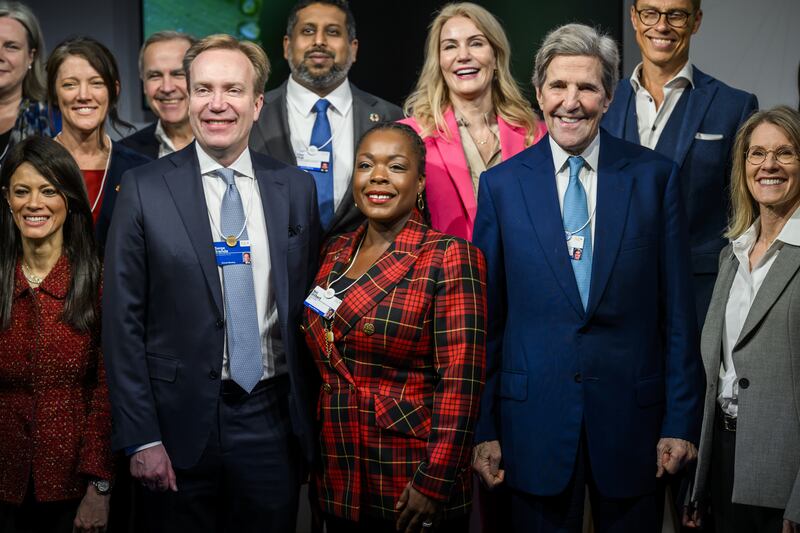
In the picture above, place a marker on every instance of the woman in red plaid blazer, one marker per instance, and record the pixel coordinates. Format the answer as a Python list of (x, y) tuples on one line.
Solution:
[(401, 356), (55, 420)]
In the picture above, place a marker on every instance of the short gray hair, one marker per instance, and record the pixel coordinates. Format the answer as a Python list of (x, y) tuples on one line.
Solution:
[(161, 36), (578, 40)]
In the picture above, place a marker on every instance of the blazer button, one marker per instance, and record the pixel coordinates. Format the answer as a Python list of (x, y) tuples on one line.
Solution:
[(351, 387), (213, 374), (219, 324), (326, 387), (302, 328), (578, 378), (369, 328), (744, 383)]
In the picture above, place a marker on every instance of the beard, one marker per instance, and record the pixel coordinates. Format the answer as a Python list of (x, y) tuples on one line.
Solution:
[(329, 79)]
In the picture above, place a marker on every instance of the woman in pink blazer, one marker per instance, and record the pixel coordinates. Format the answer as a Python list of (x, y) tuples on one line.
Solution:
[(468, 109)]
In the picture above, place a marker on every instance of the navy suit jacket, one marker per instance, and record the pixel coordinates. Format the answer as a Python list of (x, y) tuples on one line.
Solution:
[(163, 329), (628, 369), (715, 111), (144, 141)]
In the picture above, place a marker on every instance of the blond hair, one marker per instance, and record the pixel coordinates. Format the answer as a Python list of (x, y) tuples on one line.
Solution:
[(430, 99), (744, 208), (222, 41)]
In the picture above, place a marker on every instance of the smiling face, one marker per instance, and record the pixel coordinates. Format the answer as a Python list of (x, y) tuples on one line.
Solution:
[(466, 58), (662, 45), (165, 82), (773, 185), (15, 56), (386, 179), (82, 95), (573, 101), (38, 208), (319, 51), (222, 102)]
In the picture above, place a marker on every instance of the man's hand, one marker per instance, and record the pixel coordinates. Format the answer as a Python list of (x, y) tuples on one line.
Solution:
[(486, 462), (416, 509), (672, 454), (153, 468), (92, 515), (790, 527), (692, 517)]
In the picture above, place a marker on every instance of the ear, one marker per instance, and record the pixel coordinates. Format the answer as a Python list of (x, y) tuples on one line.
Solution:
[(634, 16), (421, 183), (354, 49), (286, 43), (698, 18), (117, 88), (31, 56), (259, 103), (539, 97)]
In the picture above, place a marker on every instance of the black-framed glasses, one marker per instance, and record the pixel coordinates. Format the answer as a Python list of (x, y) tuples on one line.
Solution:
[(785, 155), (677, 18)]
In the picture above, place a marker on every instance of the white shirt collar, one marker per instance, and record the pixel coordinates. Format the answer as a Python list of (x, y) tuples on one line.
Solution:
[(591, 155), (243, 165), (303, 100), (685, 75), (789, 234)]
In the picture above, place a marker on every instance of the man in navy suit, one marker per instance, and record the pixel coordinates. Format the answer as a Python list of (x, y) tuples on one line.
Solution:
[(672, 107), (210, 252), (594, 373)]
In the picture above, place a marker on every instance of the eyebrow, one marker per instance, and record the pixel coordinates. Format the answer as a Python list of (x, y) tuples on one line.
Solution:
[(467, 38)]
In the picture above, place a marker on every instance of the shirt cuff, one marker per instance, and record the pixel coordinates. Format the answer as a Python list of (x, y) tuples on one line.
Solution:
[(130, 450)]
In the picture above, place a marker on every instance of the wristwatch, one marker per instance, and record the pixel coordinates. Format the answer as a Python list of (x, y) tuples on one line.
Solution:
[(103, 486)]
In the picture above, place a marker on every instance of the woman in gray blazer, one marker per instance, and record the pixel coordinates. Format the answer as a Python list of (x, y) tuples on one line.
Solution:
[(749, 460)]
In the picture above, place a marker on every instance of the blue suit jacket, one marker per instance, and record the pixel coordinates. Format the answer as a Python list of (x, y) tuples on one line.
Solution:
[(163, 329), (628, 368), (715, 111)]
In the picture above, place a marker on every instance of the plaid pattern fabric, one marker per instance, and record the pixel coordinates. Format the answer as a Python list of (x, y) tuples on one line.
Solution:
[(400, 390)]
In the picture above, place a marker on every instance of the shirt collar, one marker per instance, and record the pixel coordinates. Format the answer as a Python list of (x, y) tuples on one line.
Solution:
[(303, 100), (162, 137), (789, 234), (684, 76), (591, 155), (243, 165)]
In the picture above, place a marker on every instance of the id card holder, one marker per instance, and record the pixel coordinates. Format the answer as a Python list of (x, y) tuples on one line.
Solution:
[(238, 254), (321, 304), (313, 160), (575, 247)]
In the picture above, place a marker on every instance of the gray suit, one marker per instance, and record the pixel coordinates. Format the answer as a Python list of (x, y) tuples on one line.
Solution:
[(767, 354), (271, 136)]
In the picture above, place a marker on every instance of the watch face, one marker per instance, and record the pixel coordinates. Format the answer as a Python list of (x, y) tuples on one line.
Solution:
[(102, 486)]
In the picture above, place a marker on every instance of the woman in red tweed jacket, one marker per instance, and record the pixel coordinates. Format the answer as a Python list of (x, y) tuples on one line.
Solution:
[(55, 457), (401, 354)]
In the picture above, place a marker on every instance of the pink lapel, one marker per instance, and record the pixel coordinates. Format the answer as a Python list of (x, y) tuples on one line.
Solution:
[(455, 162), (512, 138)]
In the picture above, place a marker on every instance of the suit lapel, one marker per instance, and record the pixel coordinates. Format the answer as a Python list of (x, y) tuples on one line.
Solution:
[(715, 319), (452, 154), (780, 273), (186, 187), (699, 100), (512, 139), (613, 199), (541, 198), (275, 203), (274, 128)]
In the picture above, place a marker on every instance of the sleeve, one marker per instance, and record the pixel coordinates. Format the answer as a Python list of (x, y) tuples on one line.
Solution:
[(124, 320), (684, 374), (459, 339)]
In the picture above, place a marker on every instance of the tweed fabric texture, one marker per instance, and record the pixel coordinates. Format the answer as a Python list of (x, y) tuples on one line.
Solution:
[(400, 390), (54, 409)]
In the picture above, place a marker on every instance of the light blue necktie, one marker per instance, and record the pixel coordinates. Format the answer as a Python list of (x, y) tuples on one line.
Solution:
[(241, 323), (321, 138), (576, 216)]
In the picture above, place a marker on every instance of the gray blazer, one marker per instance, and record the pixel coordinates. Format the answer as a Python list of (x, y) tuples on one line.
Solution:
[(270, 135), (767, 354)]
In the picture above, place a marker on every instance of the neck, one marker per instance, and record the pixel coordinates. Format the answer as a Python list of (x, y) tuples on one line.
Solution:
[(654, 77), (81, 143), (772, 221), (180, 134), (224, 157), (40, 256), (384, 234), (473, 109), (11, 97)]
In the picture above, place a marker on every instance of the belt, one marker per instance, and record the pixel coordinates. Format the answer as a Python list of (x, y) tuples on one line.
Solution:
[(232, 392)]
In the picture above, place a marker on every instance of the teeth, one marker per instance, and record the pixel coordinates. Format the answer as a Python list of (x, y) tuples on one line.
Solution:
[(380, 196), (466, 71), (771, 181), (662, 42), (569, 120), (36, 219), (218, 121)]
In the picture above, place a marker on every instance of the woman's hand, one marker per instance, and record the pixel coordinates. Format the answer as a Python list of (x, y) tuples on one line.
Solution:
[(92, 515), (417, 509), (790, 527)]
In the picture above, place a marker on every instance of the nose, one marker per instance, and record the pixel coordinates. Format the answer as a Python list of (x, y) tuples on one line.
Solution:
[(463, 52), (378, 174), (83, 91), (217, 102), (771, 161), (167, 84), (571, 99), (661, 23), (320, 39)]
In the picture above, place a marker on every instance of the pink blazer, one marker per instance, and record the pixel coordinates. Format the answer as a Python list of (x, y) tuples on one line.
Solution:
[(448, 190)]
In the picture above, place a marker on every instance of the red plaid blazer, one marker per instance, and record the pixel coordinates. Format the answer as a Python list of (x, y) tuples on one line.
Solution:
[(401, 386)]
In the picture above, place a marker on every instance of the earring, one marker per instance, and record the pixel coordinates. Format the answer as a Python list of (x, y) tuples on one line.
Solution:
[(420, 202)]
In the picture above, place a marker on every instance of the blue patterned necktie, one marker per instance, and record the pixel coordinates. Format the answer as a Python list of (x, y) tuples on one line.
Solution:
[(321, 135), (576, 215), (241, 323)]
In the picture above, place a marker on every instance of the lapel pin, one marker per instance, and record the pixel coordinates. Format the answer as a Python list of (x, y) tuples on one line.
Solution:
[(374, 117), (116, 188)]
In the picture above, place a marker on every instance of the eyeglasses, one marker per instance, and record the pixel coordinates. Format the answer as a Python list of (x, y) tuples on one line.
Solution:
[(676, 18), (785, 155)]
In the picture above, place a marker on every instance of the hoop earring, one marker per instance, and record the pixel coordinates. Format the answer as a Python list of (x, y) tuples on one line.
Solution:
[(420, 202)]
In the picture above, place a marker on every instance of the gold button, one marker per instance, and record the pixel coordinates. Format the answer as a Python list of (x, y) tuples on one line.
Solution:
[(352, 388), (326, 387), (302, 327), (369, 328)]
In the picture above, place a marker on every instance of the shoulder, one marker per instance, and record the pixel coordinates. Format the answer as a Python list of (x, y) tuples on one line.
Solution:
[(386, 109), (275, 95), (125, 158), (453, 248), (146, 135), (725, 93), (632, 152), (264, 162)]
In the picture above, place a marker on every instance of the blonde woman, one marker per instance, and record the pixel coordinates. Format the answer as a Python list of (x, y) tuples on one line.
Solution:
[(469, 111)]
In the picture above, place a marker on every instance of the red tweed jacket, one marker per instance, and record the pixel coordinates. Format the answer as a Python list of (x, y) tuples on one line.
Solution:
[(400, 389), (55, 417)]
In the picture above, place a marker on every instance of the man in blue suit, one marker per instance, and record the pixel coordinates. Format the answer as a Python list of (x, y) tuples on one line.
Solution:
[(594, 372), (209, 255), (672, 107)]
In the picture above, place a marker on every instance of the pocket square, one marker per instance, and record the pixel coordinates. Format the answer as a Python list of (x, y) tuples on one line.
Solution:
[(709, 136)]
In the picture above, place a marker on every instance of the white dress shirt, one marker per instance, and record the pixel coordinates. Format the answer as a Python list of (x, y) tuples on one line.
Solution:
[(588, 176), (165, 145), (300, 109), (214, 189), (651, 121), (744, 289)]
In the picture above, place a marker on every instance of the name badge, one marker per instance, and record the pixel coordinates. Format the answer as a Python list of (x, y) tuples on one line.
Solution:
[(238, 254), (322, 302), (575, 247), (314, 160)]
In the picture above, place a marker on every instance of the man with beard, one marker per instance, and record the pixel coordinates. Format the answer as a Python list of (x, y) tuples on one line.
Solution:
[(314, 119)]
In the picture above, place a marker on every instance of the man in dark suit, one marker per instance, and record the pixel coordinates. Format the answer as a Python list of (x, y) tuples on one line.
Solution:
[(672, 107), (594, 374), (164, 82), (315, 118), (209, 390)]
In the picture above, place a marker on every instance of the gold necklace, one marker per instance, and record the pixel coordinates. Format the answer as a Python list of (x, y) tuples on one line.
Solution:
[(32, 278)]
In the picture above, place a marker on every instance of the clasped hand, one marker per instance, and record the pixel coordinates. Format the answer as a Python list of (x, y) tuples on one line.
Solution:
[(153, 469)]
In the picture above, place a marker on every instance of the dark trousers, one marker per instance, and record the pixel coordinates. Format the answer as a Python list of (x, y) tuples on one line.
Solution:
[(732, 517), (563, 513), (367, 524), (247, 479), (38, 517)]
